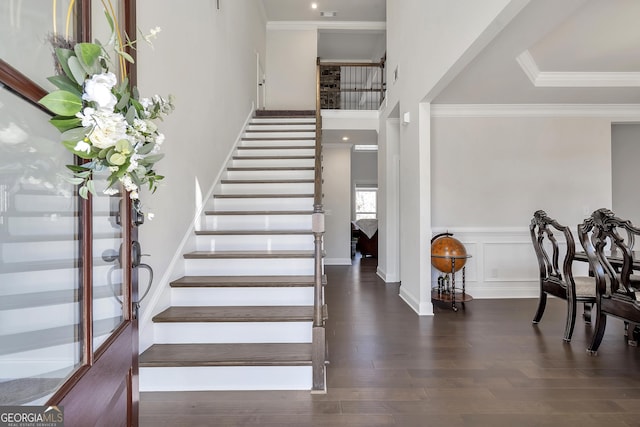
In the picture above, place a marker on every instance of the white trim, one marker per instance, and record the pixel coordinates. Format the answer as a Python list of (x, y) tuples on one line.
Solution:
[(574, 78), (621, 112), (327, 25), (350, 114), (386, 278), (337, 261)]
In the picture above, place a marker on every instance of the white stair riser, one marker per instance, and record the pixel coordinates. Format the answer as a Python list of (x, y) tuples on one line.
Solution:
[(52, 280), (254, 242), (258, 222), (55, 225), (281, 152), (267, 188), (261, 204), (288, 126), (39, 362), (274, 133), (53, 250), (32, 319), (271, 174), (239, 162), (262, 143), (232, 332), (260, 267), (225, 378), (185, 297)]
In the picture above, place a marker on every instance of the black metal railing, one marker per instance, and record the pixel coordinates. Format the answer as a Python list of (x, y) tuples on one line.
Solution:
[(351, 85)]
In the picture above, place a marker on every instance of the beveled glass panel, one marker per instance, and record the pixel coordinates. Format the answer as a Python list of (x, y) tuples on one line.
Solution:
[(40, 271), (25, 30), (107, 268)]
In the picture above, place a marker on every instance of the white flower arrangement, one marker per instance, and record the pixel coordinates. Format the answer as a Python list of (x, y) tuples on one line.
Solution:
[(105, 122)]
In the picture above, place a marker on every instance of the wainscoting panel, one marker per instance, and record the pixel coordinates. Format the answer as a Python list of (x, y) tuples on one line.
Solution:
[(503, 262)]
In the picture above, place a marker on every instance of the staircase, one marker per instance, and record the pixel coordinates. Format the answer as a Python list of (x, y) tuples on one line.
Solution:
[(242, 317)]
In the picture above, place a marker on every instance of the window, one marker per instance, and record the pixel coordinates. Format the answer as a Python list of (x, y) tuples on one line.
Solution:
[(366, 202)]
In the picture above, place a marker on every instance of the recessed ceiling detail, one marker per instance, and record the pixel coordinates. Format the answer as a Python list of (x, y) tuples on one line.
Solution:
[(574, 78)]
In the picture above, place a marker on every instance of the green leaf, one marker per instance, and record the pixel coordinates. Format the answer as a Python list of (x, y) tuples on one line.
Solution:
[(146, 148), (125, 55), (70, 145), (63, 56), (78, 71), (76, 168), (88, 54), (153, 158), (62, 103), (75, 134), (73, 180), (124, 146), (65, 83), (63, 123), (84, 192), (91, 187), (131, 114), (123, 101), (117, 159)]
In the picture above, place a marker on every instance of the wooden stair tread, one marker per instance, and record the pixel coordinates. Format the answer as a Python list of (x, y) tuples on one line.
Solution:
[(266, 181), (313, 123), (258, 212), (285, 113), (275, 138), (251, 232), (270, 168), (236, 314), (247, 254), (244, 281), (260, 196), (279, 130), (273, 157), (262, 354)]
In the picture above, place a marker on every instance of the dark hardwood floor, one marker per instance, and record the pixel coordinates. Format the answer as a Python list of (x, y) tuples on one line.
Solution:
[(484, 366)]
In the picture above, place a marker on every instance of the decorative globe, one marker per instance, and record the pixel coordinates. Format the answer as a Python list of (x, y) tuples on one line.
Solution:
[(447, 246)]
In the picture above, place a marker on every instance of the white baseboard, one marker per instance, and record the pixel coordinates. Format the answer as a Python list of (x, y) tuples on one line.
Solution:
[(391, 278), (337, 261)]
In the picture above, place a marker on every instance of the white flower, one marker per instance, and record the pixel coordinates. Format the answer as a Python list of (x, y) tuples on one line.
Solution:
[(110, 191), (87, 117), (133, 195), (160, 138), (109, 128), (150, 216), (98, 90), (83, 146)]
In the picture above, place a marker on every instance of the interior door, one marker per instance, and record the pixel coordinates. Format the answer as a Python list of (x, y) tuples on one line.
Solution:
[(68, 331)]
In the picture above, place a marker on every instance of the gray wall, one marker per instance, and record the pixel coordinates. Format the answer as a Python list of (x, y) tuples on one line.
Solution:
[(625, 154)]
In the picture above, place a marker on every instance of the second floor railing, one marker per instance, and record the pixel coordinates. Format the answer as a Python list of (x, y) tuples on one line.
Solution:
[(351, 85)]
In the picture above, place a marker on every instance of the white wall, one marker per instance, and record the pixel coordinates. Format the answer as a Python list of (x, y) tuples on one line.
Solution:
[(625, 146), (207, 59), (291, 69), (425, 41), (489, 174), (496, 171), (337, 203)]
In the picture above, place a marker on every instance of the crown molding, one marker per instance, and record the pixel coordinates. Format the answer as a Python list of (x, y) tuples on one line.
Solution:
[(574, 78), (327, 25), (616, 112)]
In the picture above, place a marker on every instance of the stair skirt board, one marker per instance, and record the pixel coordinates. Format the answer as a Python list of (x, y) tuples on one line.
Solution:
[(192, 378), (245, 296), (232, 332)]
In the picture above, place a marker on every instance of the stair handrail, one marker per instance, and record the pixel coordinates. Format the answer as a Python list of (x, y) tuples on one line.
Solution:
[(319, 344)]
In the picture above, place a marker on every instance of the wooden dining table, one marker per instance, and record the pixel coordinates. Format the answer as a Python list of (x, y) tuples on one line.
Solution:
[(614, 257)]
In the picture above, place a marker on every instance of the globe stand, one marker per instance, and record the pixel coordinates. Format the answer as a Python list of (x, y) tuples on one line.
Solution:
[(446, 289)]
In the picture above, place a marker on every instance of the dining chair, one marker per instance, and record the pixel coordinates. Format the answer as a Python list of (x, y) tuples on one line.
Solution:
[(608, 242), (557, 282)]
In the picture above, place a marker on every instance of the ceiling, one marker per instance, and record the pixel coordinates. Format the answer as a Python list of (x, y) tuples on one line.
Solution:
[(568, 51), (356, 33)]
